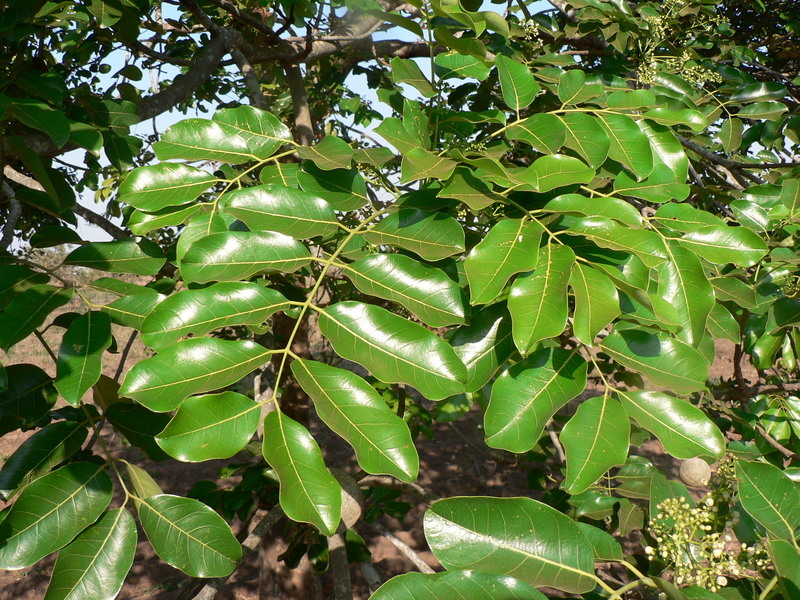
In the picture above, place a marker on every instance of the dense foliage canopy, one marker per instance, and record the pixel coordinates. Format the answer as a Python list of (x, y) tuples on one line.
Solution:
[(556, 217)]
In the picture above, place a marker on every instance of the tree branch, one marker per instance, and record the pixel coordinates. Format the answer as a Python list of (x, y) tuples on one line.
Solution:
[(412, 489), (100, 221), (728, 163), (407, 550), (14, 213), (303, 126), (250, 78)]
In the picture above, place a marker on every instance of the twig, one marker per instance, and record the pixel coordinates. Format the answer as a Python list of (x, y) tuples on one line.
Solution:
[(412, 489), (45, 344), (124, 355), (337, 553), (371, 575), (562, 458), (100, 221), (407, 550), (726, 162), (12, 218), (304, 127)]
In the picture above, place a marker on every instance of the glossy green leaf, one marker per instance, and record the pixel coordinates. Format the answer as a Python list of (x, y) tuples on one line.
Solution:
[(611, 208), (722, 324), (131, 311), (141, 223), (467, 584), (234, 255), (189, 535), (308, 492), (605, 547), (659, 187), (189, 367), (631, 99), (573, 89), (15, 279), (683, 429), (770, 497), (155, 187), (664, 361), (546, 133), (647, 245), (202, 139), (527, 395), (761, 91), (430, 235), (667, 149), (94, 565), (693, 119), (517, 83), (281, 174), (343, 189), (200, 311), (596, 302), (142, 485), (587, 137), (51, 511), (263, 133), (420, 164), (682, 282), (723, 245), (595, 439), (629, 145), (329, 154), (730, 134), (28, 310), (42, 117), (557, 170), (121, 256), (393, 349), (535, 542), (424, 290), (80, 355), (768, 110), (39, 453), (210, 427), (407, 71), (484, 345), (465, 187), (354, 410), (538, 300), (511, 246), (28, 396)]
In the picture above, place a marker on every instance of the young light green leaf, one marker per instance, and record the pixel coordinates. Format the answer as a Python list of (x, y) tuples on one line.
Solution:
[(210, 427), (770, 497), (663, 360), (189, 367), (595, 439), (511, 246), (189, 535), (121, 256), (538, 300), (587, 137), (424, 290), (517, 83), (80, 355), (629, 145), (199, 311), (308, 492), (94, 565), (528, 394), (545, 547), (262, 132), (393, 349), (202, 139), (343, 189), (596, 302), (683, 429), (28, 310), (468, 584), (51, 511), (234, 255), (407, 71), (155, 187), (546, 133), (281, 209), (354, 410), (430, 235)]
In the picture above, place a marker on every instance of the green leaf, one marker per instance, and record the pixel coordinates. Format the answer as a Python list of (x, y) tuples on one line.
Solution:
[(631, 99), (210, 427), (329, 154), (557, 170), (517, 83), (308, 492), (432, 236), (343, 189), (202, 139), (15, 279), (394, 131), (587, 137), (465, 187), (393, 349), (80, 355), (596, 302), (28, 396), (511, 246), (189, 367), (483, 345), (527, 395), (94, 565), (51, 511), (730, 134), (421, 164), (281, 209), (770, 497), (28, 310), (142, 484), (605, 547), (121, 256), (262, 133), (682, 282), (722, 245), (467, 584), (234, 255), (683, 429), (722, 324), (573, 89), (538, 300), (131, 311), (664, 361), (546, 133), (786, 561), (200, 311), (658, 188), (629, 145), (540, 545), (407, 71), (667, 149), (354, 410), (139, 425), (202, 225), (424, 290), (595, 439), (452, 65), (38, 454), (38, 115), (763, 110), (280, 173), (761, 91), (189, 535), (693, 119), (611, 208), (141, 223), (155, 187), (647, 245)]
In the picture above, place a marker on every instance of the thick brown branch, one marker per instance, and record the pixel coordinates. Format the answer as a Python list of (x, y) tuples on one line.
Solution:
[(303, 126), (250, 77), (728, 163)]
